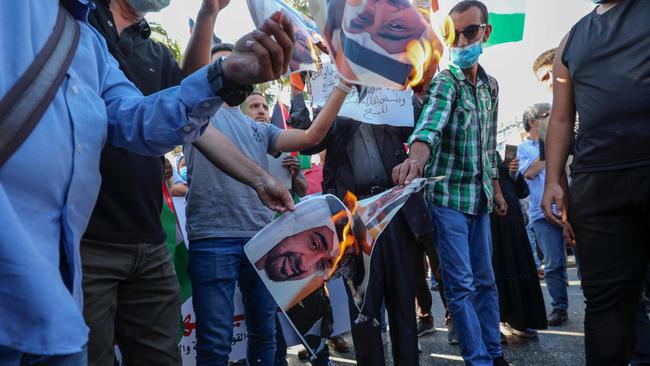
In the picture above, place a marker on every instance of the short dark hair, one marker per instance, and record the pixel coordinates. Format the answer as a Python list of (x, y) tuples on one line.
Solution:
[(545, 59), (219, 47), (466, 4)]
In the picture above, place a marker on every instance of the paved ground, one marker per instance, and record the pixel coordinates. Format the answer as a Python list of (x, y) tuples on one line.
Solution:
[(555, 346)]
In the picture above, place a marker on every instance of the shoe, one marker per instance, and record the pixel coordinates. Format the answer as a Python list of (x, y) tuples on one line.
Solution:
[(500, 362), (525, 333), (558, 317), (339, 344), (303, 355), (452, 337), (504, 339), (425, 325), (540, 274)]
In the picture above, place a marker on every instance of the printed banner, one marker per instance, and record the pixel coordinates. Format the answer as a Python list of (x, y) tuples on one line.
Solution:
[(379, 106), (323, 239), (306, 31), (388, 44)]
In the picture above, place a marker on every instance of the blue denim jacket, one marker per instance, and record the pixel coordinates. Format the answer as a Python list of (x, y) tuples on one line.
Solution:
[(49, 186)]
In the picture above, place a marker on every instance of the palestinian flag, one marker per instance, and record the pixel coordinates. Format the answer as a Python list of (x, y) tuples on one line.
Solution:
[(177, 248), (507, 18)]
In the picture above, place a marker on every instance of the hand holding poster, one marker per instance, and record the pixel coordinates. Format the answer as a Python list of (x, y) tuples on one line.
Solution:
[(321, 240), (378, 106), (380, 43), (306, 31)]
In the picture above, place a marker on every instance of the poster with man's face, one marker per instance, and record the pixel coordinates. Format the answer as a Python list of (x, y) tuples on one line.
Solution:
[(382, 43), (306, 31), (322, 239)]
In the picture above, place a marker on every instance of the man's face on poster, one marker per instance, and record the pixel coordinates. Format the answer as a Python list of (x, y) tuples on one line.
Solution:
[(300, 255), (392, 24), (301, 50)]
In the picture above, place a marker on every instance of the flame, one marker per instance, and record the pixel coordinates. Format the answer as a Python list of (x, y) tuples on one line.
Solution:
[(350, 201), (448, 30), (422, 56)]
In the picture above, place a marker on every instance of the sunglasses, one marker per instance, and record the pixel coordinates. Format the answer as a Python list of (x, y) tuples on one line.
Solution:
[(469, 32)]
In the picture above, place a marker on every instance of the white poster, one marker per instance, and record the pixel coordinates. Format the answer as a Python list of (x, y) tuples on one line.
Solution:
[(380, 106)]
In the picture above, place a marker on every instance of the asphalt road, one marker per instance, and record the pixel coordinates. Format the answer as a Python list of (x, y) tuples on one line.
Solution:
[(562, 345)]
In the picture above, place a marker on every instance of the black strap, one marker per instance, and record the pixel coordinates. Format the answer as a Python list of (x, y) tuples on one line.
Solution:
[(25, 103)]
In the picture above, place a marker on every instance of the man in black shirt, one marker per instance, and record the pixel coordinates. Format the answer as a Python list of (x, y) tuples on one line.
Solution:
[(360, 159), (601, 70), (130, 287)]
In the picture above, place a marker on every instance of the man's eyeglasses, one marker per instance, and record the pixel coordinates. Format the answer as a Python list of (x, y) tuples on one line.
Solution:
[(469, 32)]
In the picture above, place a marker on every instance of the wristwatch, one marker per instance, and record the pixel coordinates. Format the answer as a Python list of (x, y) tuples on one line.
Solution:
[(231, 93)]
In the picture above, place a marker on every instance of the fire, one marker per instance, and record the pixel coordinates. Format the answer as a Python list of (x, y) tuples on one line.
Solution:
[(448, 30), (349, 240)]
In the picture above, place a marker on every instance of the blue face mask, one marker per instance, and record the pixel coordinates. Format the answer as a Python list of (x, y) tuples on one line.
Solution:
[(466, 57), (148, 6), (183, 173)]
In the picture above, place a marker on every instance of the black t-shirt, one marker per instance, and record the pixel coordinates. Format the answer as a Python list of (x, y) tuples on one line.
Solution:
[(607, 57), (130, 199)]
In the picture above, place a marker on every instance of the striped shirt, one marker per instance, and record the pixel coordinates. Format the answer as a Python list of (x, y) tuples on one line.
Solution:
[(459, 124)]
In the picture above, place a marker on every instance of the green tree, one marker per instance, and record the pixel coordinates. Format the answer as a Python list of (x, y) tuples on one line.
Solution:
[(159, 34)]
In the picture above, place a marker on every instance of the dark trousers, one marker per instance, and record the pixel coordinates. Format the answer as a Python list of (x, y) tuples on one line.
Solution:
[(392, 279), (610, 215), (423, 296), (131, 295)]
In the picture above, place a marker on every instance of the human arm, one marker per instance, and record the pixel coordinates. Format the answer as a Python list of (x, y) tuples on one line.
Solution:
[(426, 136), (218, 149), (500, 205), (152, 125), (197, 53), (534, 169), (298, 181), (558, 140), (298, 140)]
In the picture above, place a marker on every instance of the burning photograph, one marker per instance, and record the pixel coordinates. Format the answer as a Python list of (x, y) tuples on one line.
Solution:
[(383, 43), (306, 32), (323, 239)]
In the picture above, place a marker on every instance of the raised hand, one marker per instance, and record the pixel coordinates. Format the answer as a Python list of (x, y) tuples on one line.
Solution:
[(263, 54), (214, 6)]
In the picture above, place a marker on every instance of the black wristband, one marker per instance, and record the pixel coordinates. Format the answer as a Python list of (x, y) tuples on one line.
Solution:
[(231, 93)]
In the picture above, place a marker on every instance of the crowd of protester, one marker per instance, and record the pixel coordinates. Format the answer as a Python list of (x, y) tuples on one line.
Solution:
[(83, 253)]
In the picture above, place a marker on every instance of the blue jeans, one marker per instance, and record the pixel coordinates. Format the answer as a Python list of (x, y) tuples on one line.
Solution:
[(215, 266), (530, 231), (464, 246), (550, 239), (12, 357)]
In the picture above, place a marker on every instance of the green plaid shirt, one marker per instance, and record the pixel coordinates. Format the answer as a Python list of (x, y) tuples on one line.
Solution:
[(459, 123)]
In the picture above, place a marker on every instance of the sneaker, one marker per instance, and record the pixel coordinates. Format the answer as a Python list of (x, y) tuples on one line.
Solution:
[(425, 325), (500, 362), (452, 337), (339, 344), (525, 333), (558, 317)]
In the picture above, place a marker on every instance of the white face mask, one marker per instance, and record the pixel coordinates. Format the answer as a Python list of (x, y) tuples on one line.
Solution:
[(148, 6)]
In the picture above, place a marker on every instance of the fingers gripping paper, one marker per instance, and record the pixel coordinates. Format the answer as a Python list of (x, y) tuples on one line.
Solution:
[(380, 43), (305, 30), (323, 239)]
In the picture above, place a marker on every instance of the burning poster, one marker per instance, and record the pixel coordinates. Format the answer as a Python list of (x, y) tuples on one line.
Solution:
[(322, 239), (380, 43), (306, 31)]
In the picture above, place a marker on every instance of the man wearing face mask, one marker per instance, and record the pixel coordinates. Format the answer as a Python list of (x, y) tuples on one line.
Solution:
[(601, 71), (137, 305), (456, 138)]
